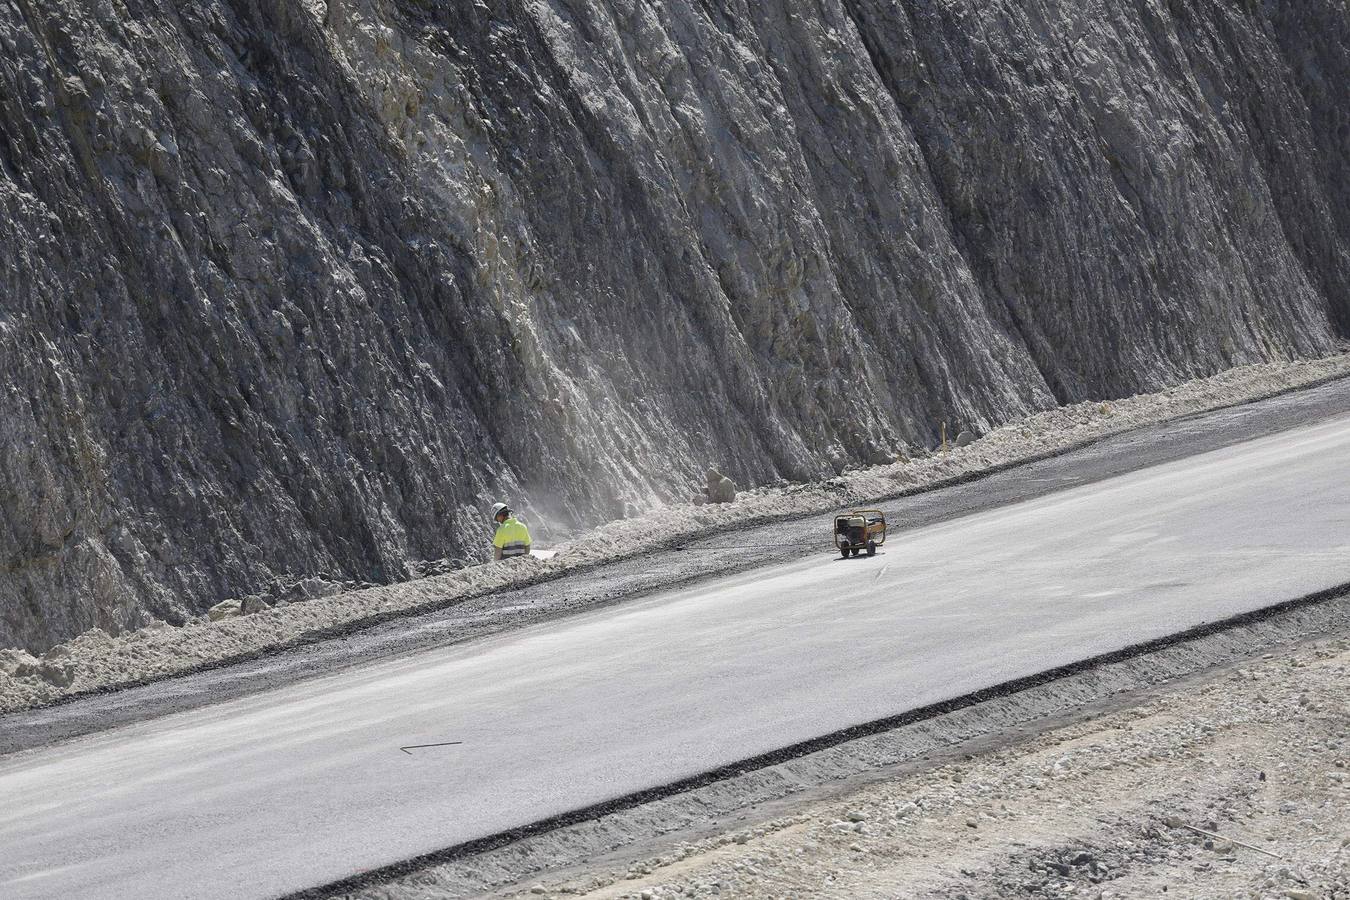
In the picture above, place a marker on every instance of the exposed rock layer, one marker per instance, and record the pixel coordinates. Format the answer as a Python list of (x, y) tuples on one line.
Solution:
[(300, 287)]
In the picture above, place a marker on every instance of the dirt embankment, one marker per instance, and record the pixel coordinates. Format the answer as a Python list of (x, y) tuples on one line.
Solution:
[(1257, 755)]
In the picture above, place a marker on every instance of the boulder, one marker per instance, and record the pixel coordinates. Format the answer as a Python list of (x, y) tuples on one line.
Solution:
[(253, 604), (225, 609), (58, 672), (314, 589), (877, 456), (721, 489), (12, 659), (964, 438)]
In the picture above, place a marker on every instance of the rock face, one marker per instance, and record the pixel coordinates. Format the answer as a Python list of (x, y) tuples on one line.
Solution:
[(303, 286)]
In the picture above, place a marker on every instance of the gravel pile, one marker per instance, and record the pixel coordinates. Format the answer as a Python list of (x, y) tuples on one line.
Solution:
[(96, 660)]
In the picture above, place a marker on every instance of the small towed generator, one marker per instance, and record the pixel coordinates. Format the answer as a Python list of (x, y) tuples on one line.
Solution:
[(859, 530)]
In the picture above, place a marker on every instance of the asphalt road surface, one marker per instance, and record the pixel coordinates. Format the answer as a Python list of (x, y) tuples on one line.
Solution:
[(306, 784)]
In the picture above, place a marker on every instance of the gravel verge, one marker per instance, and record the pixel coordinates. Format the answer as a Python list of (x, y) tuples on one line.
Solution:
[(1080, 786), (96, 662)]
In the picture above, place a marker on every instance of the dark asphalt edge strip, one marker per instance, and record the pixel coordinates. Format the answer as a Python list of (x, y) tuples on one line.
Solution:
[(347, 629), (803, 748)]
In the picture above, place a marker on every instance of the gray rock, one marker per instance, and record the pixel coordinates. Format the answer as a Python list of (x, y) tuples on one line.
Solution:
[(964, 438), (878, 456), (58, 672), (12, 660), (225, 609), (292, 288), (720, 489), (315, 589), (253, 604)]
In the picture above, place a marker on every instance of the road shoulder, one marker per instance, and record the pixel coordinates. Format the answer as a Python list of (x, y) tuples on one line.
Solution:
[(1094, 784)]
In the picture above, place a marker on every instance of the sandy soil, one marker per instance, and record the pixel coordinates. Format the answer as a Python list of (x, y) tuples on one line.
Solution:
[(1258, 754)]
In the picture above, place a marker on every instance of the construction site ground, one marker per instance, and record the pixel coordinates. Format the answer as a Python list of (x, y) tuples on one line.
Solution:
[(1111, 804)]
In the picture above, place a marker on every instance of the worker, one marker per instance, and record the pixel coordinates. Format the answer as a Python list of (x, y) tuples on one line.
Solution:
[(512, 537)]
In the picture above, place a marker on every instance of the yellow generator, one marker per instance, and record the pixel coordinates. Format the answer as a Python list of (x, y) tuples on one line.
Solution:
[(859, 530)]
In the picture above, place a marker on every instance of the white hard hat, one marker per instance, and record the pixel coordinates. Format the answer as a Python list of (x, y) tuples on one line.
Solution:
[(498, 509)]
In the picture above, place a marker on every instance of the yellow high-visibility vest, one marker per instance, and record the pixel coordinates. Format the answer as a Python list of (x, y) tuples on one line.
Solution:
[(512, 538)]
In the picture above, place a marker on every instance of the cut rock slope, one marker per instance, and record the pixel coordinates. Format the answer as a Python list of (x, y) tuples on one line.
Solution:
[(296, 289)]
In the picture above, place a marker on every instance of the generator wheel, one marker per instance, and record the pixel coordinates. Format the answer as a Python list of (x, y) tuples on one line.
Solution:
[(843, 551), (856, 551), (871, 548)]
